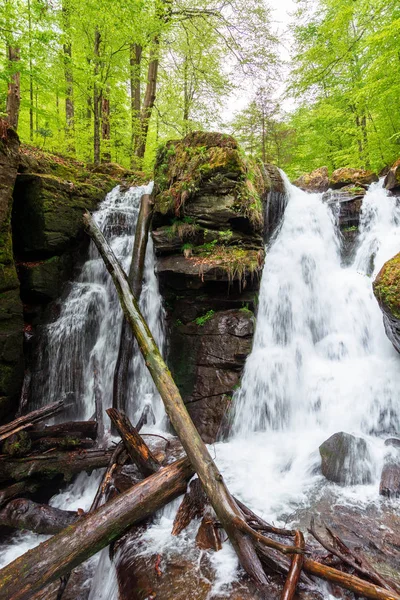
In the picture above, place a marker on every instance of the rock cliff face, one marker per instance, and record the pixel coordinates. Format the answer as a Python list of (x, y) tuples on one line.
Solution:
[(387, 292), (208, 233), (392, 179), (11, 322)]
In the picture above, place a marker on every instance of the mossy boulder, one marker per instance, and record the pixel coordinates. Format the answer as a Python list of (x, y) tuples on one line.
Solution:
[(348, 176), (11, 322), (387, 291), (392, 179), (210, 164), (316, 181), (42, 281)]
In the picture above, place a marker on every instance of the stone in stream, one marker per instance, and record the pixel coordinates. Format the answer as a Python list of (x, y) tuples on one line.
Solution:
[(345, 459), (316, 181), (390, 480), (387, 291), (392, 179)]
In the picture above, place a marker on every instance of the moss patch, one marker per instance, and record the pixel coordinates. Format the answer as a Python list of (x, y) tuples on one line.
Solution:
[(387, 286)]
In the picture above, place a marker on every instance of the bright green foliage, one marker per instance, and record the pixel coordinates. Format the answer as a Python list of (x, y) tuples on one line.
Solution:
[(82, 52), (346, 78)]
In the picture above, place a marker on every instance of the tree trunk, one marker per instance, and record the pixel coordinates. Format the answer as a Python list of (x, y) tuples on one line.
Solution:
[(135, 61), (296, 566), (149, 98), (14, 87), (69, 79), (63, 552), (96, 99), (53, 464), (105, 127), (17, 489), (126, 344), (76, 429), (139, 452), (40, 518), (228, 512), (30, 71)]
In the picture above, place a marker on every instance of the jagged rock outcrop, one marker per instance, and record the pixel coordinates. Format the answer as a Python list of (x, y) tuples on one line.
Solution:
[(316, 181), (387, 291), (345, 459), (11, 322), (208, 233), (392, 179)]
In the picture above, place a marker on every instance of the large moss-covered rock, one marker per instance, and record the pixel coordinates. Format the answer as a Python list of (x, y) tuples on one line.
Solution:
[(392, 179), (316, 181), (348, 176), (11, 323), (214, 209), (387, 291)]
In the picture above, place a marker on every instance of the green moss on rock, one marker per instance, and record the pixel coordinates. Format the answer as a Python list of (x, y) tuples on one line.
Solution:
[(387, 286)]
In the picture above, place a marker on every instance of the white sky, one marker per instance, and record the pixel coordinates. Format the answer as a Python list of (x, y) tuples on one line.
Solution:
[(281, 17)]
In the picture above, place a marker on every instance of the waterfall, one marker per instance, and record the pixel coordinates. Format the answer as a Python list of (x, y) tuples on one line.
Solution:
[(321, 362), (90, 320)]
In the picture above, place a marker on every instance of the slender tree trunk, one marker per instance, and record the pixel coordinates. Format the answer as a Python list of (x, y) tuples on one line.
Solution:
[(149, 98), (264, 159), (185, 96), (69, 80), (105, 127), (14, 87), (96, 98), (135, 61), (30, 72)]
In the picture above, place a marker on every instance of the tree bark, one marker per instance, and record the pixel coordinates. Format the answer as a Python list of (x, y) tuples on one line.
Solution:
[(139, 452), (135, 62), (69, 79), (105, 126), (14, 87), (127, 340), (240, 534), (40, 518), (28, 420), (53, 464), (149, 98), (76, 429), (96, 98), (296, 566), (17, 489), (63, 552)]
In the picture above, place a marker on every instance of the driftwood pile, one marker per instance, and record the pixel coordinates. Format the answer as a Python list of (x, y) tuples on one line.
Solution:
[(261, 548)]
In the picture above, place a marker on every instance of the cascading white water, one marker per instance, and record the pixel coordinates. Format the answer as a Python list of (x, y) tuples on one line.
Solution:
[(89, 326), (90, 320), (321, 362)]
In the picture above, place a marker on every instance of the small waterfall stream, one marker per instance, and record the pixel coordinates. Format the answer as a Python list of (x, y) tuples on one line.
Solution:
[(321, 363)]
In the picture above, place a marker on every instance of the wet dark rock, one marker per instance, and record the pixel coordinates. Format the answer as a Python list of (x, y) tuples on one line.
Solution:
[(42, 281), (316, 181), (345, 459), (387, 292), (11, 322), (392, 179), (348, 202), (393, 442), (347, 176), (390, 479)]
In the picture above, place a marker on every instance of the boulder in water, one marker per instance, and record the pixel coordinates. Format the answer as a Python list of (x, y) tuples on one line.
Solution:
[(390, 480), (387, 291), (347, 176), (316, 181), (392, 179), (344, 459)]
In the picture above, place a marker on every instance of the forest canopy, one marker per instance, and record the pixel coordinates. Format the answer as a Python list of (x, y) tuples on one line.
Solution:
[(110, 80)]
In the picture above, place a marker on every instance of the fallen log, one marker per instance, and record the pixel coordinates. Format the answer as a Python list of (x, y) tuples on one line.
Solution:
[(106, 479), (363, 588), (17, 489), (63, 552), (293, 578), (139, 452), (193, 506), (135, 277), (98, 399), (75, 429), (62, 443), (242, 537), (28, 420), (53, 463), (40, 518)]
